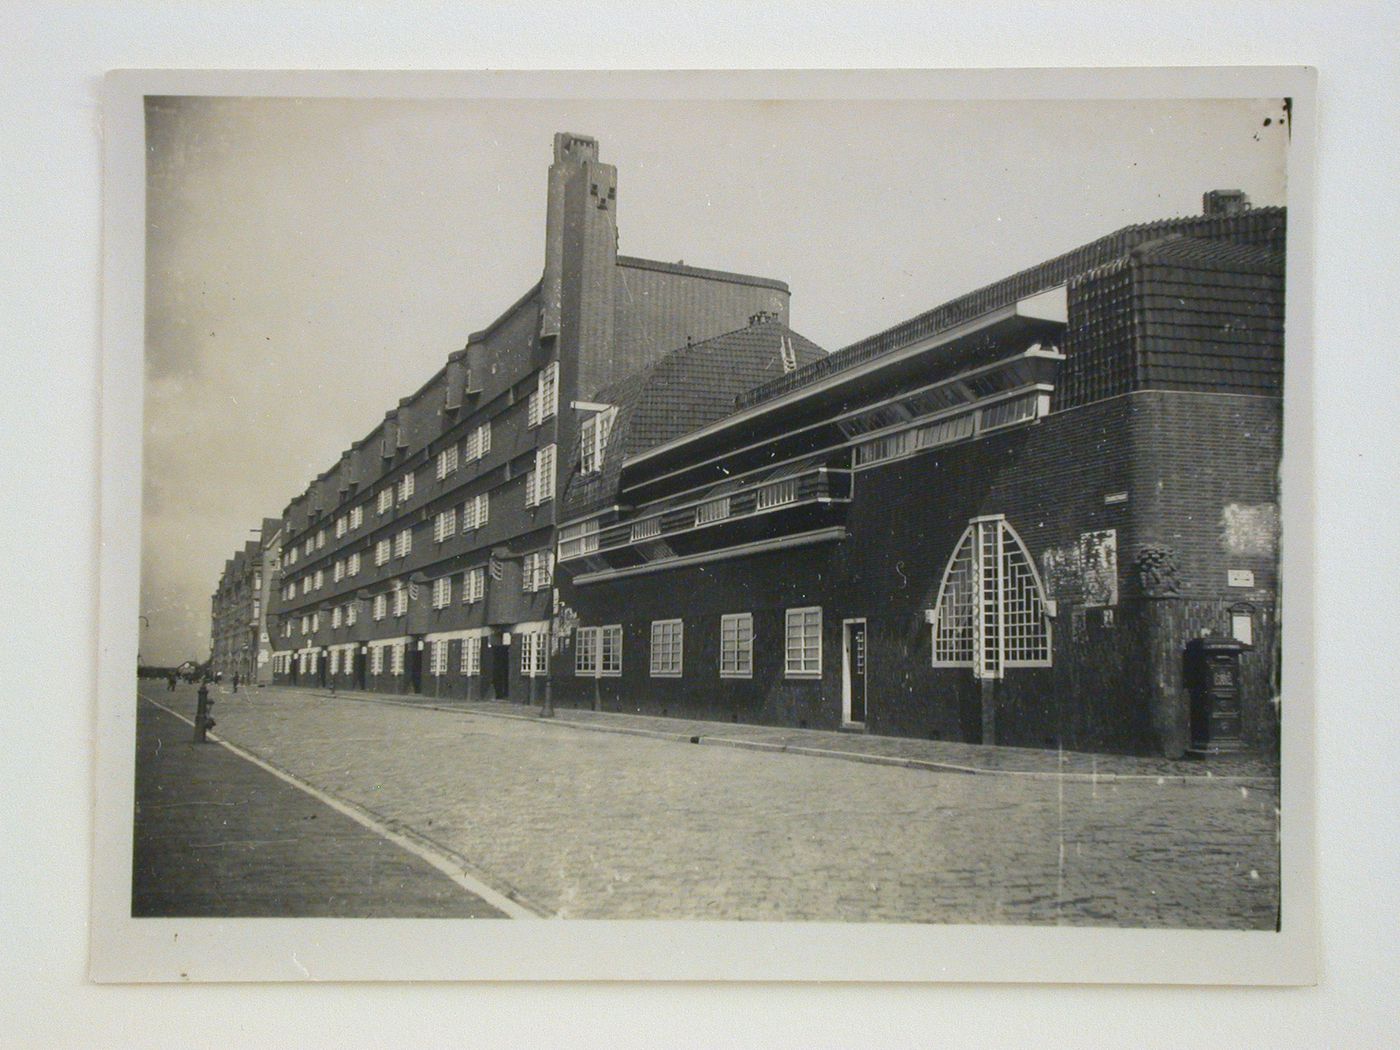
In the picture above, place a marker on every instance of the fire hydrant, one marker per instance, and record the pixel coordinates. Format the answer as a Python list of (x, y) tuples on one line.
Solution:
[(202, 720)]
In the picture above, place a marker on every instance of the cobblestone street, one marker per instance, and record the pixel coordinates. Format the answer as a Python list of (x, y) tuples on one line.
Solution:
[(611, 825)]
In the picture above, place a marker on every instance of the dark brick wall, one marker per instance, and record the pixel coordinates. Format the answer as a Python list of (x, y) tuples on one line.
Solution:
[(1180, 459)]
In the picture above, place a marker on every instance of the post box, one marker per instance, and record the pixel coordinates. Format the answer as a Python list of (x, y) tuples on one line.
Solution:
[(1213, 677)]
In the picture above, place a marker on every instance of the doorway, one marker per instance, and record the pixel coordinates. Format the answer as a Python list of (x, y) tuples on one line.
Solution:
[(853, 672), (415, 665), (500, 670)]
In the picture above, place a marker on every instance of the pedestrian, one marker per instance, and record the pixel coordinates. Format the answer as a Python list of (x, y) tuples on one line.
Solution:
[(170, 682), (235, 681)]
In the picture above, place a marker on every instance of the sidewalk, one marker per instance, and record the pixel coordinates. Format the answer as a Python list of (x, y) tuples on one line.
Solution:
[(939, 755), (215, 835)]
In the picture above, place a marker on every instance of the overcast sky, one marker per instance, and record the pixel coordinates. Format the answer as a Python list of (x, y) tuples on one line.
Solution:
[(312, 261)]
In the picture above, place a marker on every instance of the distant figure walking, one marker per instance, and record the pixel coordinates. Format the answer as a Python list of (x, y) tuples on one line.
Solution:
[(170, 682), (235, 681)]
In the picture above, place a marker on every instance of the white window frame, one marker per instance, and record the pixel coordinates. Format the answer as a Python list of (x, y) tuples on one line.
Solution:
[(340, 526), (442, 592), (376, 659), (396, 658), (539, 483), (445, 525), (336, 615), (446, 462), (352, 564), (357, 517), (610, 651), (474, 585), (406, 486), (401, 602), (351, 614), (403, 543), (587, 646), (381, 606), (471, 656), (741, 647), (383, 550), (799, 618), (537, 571), (386, 499), (577, 540), (320, 578), (987, 623), (593, 440), (534, 655), (661, 648), (437, 657), (338, 571)]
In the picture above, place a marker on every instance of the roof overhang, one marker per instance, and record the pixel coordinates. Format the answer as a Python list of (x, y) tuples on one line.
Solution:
[(1039, 317)]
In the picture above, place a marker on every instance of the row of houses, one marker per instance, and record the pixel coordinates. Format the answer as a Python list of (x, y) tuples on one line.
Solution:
[(999, 521)]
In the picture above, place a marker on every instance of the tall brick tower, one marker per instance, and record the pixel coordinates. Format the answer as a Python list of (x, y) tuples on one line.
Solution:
[(580, 262)]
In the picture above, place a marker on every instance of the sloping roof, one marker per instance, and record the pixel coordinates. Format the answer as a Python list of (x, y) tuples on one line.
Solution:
[(681, 391), (1264, 227)]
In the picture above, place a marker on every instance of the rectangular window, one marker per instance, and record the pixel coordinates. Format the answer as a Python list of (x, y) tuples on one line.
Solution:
[(586, 644), (396, 658), (476, 511), (315, 622), (945, 431), (667, 638), (309, 546), (736, 646), (352, 564), (357, 517), (804, 643), (306, 625), (544, 402), (593, 440), (376, 660), (471, 656), (335, 617), (406, 487), (536, 571), (445, 525), (777, 493), (437, 657), (320, 578), (292, 556), (473, 586), (442, 592), (401, 602), (403, 544), (446, 462), (712, 510), (1015, 410), (338, 571), (335, 661), (478, 442), (534, 655), (386, 500), (381, 606), (340, 526), (577, 540), (611, 650), (381, 552), (351, 614), (890, 446), (539, 483), (320, 538), (645, 530)]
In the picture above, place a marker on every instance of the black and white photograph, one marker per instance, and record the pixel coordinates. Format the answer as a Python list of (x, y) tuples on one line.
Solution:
[(786, 511)]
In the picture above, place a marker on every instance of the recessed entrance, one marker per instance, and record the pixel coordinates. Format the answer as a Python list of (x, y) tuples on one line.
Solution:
[(853, 672)]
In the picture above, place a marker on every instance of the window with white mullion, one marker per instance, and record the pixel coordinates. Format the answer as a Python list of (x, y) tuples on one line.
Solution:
[(736, 646), (803, 643), (667, 647)]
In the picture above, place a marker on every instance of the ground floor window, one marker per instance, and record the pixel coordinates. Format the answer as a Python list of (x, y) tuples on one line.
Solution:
[(534, 655), (667, 644), (803, 647), (396, 659), (598, 651), (471, 656), (376, 660), (437, 657), (990, 613), (736, 645)]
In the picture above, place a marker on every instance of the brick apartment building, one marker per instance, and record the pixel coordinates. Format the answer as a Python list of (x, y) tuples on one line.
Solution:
[(423, 560), (238, 609), (999, 521)]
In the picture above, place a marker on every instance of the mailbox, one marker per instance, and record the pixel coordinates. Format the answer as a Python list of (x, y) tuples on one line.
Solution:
[(1213, 676)]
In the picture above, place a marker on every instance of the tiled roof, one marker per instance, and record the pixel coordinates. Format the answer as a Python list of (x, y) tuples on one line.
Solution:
[(680, 392), (1257, 227)]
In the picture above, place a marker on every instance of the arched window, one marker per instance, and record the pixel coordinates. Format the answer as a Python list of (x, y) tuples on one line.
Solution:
[(990, 613)]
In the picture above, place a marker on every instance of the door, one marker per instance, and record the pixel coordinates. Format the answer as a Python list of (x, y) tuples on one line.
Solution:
[(853, 676), (500, 670), (415, 666), (361, 659)]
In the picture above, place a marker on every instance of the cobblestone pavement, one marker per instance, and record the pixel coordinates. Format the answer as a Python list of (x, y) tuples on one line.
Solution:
[(217, 836), (617, 825)]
